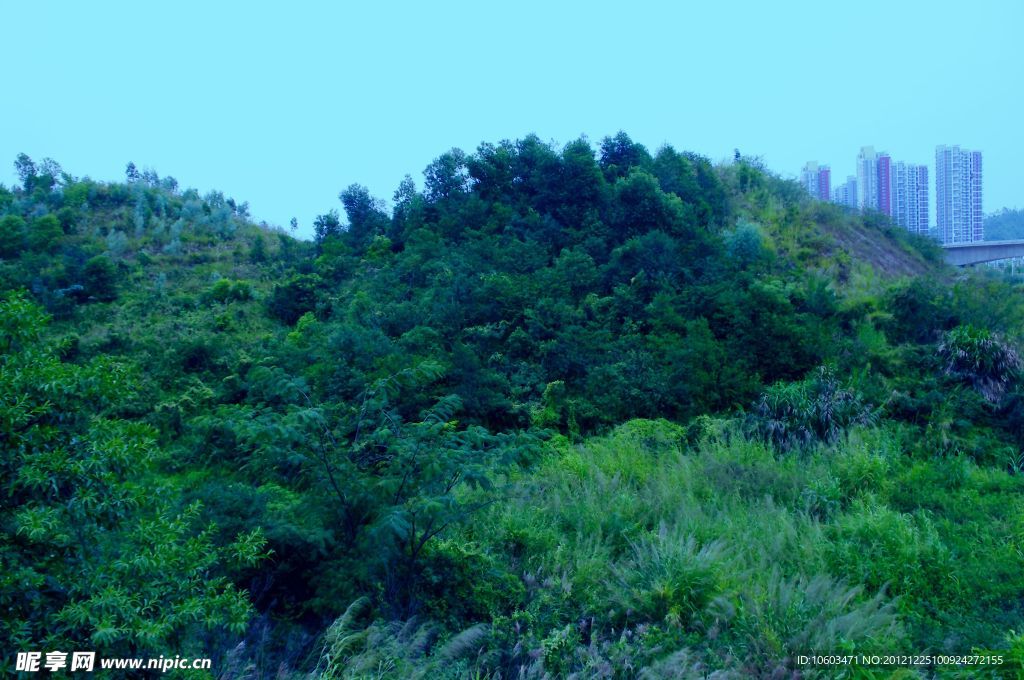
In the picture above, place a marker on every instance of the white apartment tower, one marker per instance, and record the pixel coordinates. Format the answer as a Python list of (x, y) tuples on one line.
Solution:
[(910, 197), (958, 194), (846, 194)]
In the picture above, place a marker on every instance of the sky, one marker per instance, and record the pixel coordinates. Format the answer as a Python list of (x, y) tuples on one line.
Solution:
[(284, 105)]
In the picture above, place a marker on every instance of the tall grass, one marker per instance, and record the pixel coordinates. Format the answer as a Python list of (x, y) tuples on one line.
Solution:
[(655, 553)]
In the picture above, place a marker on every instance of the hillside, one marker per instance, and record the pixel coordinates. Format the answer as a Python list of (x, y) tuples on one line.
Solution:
[(589, 411), (1005, 225)]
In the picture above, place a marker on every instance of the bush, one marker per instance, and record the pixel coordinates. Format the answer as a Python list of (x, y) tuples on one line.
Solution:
[(816, 615), (12, 235), (45, 233), (290, 301), (670, 579), (225, 290), (815, 410), (881, 548), (99, 278), (981, 359)]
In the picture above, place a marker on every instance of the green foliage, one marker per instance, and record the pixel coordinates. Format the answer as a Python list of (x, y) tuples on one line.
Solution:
[(1005, 225), (981, 359), (12, 235), (883, 548), (92, 551), (401, 650), (224, 290), (99, 277), (634, 559), (44, 233), (291, 300), (327, 226), (818, 409), (258, 250), (784, 618), (407, 482), (620, 154), (670, 579), (746, 245), (366, 216)]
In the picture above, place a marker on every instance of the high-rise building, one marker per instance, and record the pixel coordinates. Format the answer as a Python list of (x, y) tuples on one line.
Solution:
[(883, 168), (958, 194), (874, 180), (846, 193), (840, 194), (867, 178), (817, 180), (910, 197)]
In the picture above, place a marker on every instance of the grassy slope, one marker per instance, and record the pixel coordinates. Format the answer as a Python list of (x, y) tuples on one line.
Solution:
[(680, 551)]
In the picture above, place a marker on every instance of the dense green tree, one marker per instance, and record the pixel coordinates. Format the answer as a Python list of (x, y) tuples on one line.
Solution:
[(258, 250), (27, 171), (579, 192), (408, 211), (67, 217), (45, 233), (12, 235), (447, 176), (366, 216), (692, 178), (89, 553), (99, 278), (620, 155), (50, 173), (493, 173), (536, 164), (642, 206), (920, 309), (291, 300), (327, 226)]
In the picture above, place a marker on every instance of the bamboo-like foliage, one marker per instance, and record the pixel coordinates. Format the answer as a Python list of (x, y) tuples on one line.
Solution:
[(980, 358), (818, 409)]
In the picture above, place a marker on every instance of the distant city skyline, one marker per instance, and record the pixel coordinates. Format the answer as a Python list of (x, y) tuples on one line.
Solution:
[(902, 191)]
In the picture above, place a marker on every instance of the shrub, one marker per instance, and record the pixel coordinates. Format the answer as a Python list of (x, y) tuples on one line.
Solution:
[(45, 233), (817, 409), (981, 359), (802, 615), (291, 300), (225, 290), (879, 547), (670, 578), (12, 235), (400, 649), (99, 278)]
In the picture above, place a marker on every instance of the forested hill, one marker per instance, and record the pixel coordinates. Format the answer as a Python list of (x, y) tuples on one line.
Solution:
[(1004, 225), (216, 433)]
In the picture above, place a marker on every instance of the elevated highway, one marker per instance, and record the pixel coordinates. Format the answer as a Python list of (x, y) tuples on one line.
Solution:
[(963, 254)]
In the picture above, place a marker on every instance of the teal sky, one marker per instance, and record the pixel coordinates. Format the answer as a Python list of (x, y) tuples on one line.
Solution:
[(285, 104)]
